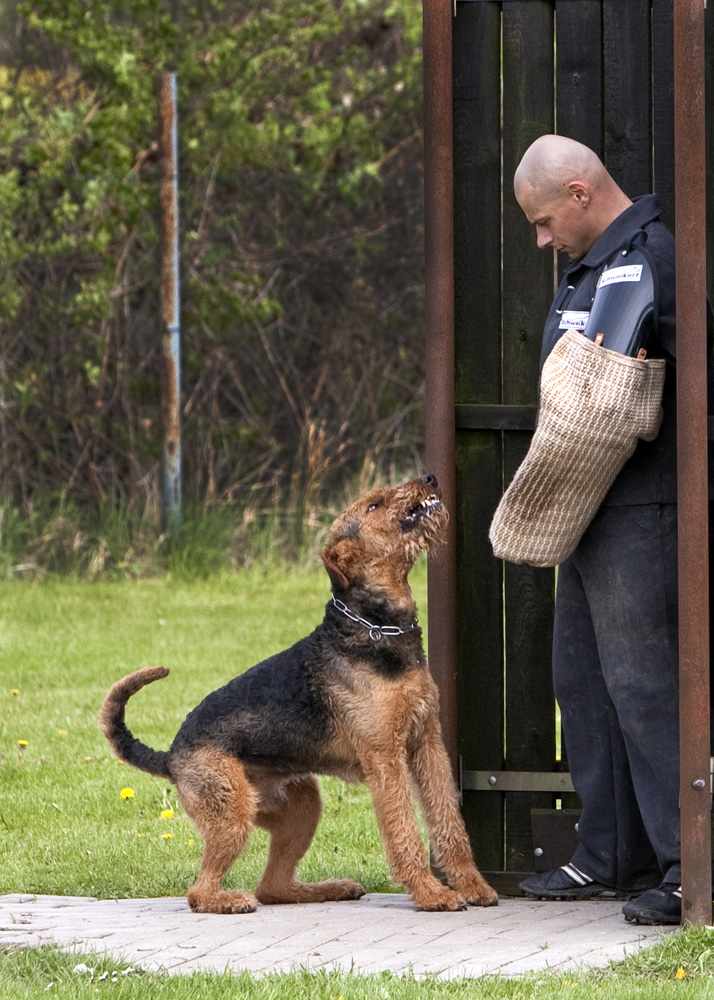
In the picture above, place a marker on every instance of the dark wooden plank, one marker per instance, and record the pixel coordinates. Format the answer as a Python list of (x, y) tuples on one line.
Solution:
[(506, 883), (528, 286), (663, 106), (628, 133), (479, 640), (555, 835), (477, 200), (528, 111), (529, 700), (477, 245), (579, 71), (495, 417)]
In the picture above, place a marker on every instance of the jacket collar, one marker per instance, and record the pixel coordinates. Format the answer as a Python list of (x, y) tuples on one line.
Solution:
[(643, 210)]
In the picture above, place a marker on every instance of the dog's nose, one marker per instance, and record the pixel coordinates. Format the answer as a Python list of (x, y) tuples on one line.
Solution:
[(430, 480)]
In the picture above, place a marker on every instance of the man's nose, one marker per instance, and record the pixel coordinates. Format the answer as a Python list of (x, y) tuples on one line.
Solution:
[(544, 238)]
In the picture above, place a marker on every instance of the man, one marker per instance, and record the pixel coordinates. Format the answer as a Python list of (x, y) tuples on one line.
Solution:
[(615, 663)]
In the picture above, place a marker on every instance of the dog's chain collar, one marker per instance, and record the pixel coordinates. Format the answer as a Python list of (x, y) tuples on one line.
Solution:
[(375, 631)]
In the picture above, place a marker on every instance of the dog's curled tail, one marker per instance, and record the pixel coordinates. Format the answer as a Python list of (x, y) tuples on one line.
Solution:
[(112, 724)]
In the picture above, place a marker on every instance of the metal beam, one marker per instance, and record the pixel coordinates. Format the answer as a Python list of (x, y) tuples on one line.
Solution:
[(439, 319), (690, 232), (517, 781)]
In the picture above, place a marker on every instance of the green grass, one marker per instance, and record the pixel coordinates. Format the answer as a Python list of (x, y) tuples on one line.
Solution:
[(682, 967), (65, 829)]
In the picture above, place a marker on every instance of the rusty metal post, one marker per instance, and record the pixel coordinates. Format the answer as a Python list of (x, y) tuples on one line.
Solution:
[(170, 305), (690, 231), (439, 316)]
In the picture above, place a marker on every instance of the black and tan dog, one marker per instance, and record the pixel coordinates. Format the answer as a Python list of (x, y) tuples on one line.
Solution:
[(354, 699)]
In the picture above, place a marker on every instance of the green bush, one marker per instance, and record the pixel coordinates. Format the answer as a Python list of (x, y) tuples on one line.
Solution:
[(301, 231)]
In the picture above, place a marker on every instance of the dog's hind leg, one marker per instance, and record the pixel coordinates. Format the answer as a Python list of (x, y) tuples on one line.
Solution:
[(431, 770), (216, 794), (388, 781), (292, 825)]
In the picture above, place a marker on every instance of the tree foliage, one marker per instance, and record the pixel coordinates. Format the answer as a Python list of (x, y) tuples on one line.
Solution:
[(301, 231)]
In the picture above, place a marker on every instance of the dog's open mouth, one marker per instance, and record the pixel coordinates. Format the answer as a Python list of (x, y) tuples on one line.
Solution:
[(424, 509)]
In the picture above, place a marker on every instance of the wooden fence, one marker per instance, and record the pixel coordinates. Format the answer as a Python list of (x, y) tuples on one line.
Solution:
[(601, 72)]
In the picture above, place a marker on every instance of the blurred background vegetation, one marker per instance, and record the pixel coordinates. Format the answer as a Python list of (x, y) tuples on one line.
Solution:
[(301, 266)]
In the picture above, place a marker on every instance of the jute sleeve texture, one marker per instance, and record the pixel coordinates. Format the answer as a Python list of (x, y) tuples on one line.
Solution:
[(595, 406)]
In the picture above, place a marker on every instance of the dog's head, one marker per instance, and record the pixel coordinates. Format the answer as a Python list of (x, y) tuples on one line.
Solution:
[(376, 541)]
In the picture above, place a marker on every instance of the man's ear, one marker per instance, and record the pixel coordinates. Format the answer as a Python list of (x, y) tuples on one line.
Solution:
[(336, 558), (580, 192)]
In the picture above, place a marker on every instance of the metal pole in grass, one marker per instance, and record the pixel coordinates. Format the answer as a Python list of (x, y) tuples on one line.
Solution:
[(170, 300), (690, 232)]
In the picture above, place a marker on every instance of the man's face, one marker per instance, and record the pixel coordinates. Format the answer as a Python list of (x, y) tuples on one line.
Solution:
[(560, 221)]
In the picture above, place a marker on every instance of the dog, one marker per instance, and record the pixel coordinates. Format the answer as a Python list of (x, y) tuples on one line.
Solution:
[(354, 699)]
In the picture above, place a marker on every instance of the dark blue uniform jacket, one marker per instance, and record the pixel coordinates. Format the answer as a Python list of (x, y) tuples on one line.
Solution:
[(650, 476)]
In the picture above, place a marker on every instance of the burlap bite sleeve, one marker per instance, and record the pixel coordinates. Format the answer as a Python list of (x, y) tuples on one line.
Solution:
[(595, 405)]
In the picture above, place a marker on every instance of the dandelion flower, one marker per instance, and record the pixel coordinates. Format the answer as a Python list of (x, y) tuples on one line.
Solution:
[(15, 690), (23, 743), (127, 793), (61, 732), (167, 814), (167, 836), (680, 973), (190, 840)]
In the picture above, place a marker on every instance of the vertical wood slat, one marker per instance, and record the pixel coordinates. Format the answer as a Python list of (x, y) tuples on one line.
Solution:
[(579, 110), (579, 72), (477, 197), (528, 103), (663, 107), (528, 273), (628, 134)]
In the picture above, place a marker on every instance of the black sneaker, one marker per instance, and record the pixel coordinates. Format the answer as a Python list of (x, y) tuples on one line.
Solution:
[(568, 882), (656, 906)]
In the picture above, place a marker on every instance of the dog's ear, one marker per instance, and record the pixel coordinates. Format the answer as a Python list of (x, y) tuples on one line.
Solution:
[(335, 556)]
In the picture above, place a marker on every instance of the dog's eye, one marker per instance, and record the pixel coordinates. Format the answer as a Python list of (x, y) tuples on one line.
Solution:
[(373, 506)]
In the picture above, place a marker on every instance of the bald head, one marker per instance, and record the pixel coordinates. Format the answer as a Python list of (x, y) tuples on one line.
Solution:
[(566, 192), (552, 161)]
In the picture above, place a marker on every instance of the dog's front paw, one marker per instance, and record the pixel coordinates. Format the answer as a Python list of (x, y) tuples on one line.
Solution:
[(439, 899), (222, 902), (485, 896), (346, 888), (477, 892)]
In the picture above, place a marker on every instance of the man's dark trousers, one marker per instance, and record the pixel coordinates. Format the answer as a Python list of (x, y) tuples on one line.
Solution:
[(615, 672)]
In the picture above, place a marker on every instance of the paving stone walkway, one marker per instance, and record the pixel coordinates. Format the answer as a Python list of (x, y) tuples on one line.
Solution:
[(379, 932)]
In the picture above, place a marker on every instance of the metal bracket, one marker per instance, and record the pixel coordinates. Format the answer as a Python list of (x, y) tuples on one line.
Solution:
[(516, 781)]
